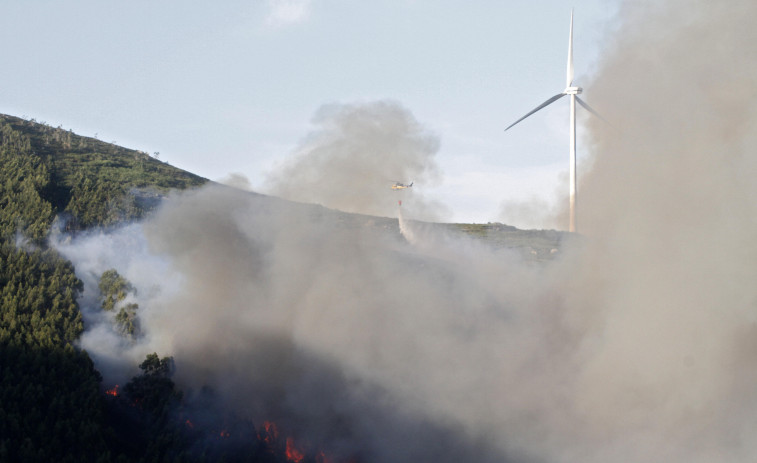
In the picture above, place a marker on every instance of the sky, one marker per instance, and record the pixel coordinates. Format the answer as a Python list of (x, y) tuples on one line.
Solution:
[(232, 88)]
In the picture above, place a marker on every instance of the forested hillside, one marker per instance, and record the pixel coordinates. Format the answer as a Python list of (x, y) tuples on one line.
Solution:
[(93, 182), (51, 404)]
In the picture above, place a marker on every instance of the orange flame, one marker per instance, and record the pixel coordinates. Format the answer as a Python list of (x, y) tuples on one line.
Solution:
[(269, 434), (224, 433), (270, 428), (293, 454), (113, 392)]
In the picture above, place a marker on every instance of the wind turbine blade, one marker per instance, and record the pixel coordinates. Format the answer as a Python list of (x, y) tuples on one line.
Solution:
[(546, 103), (591, 110), (569, 81)]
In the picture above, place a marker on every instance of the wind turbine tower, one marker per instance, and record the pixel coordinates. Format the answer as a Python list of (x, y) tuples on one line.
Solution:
[(573, 91)]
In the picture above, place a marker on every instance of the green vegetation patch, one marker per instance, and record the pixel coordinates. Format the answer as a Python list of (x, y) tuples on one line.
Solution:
[(97, 183)]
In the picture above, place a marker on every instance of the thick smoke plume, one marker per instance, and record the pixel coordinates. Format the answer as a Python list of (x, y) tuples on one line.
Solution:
[(637, 344), (333, 326), (667, 371), (353, 157)]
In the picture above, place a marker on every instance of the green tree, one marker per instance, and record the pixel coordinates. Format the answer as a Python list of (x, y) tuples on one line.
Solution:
[(113, 289), (153, 390), (127, 321), (23, 179)]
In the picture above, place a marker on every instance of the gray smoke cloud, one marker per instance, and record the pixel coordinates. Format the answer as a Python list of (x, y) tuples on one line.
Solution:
[(353, 156), (637, 344), (668, 371), (333, 326)]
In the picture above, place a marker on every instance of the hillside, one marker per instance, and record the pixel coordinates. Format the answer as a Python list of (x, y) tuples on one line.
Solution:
[(94, 182), (52, 405)]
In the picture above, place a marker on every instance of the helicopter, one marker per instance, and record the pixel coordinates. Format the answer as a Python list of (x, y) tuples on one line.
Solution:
[(401, 186)]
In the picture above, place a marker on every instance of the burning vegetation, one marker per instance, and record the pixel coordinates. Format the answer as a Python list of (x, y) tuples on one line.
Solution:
[(151, 402), (293, 451)]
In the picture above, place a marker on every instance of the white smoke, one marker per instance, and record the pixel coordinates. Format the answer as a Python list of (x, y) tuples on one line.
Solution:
[(353, 157), (126, 250)]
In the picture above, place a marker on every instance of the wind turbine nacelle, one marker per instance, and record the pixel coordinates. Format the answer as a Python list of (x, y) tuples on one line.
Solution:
[(573, 91)]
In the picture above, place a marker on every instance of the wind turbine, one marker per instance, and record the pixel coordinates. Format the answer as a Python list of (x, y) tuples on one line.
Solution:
[(573, 91)]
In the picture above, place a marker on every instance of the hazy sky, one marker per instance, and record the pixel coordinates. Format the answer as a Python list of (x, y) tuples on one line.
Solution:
[(231, 87)]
